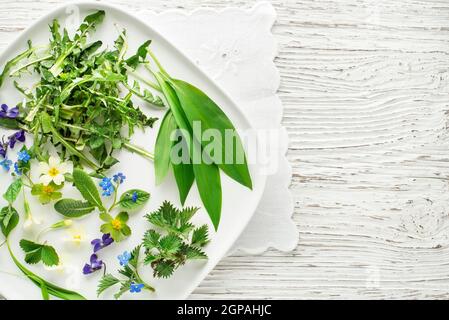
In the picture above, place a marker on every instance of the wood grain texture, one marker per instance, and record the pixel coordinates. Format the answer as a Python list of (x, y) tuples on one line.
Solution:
[(366, 95)]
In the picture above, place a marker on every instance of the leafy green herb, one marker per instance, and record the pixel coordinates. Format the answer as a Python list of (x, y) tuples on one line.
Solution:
[(178, 242), (13, 191), (130, 275), (133, 199), (85, 185), (83, 98), (116, 227), (36, 252), (71, 208), (9, 218), (47, 288)]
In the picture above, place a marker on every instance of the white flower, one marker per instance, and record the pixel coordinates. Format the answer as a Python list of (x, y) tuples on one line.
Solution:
[(54, 171), (30, 222), (76, 236)]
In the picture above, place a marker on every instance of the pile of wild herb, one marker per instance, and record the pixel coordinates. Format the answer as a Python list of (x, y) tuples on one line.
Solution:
[(83, 106), (82, 102)]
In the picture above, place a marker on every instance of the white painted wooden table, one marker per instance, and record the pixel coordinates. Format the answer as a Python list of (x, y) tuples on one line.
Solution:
[(366, 91)]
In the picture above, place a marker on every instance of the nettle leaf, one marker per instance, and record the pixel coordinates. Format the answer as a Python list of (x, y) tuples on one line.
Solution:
[(71, 208), (9, 219), (87, 188), (36, 252), (200, 236), (133, 199), (168, 251), (106, 282), (13, 191)]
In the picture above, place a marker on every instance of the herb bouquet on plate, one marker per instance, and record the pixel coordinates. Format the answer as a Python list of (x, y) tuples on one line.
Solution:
[(69, 129)]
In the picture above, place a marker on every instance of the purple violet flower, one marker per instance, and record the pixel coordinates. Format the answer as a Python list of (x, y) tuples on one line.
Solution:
[(6, 113), (105, 241), (94, 265), (2, 150), (18, 136)]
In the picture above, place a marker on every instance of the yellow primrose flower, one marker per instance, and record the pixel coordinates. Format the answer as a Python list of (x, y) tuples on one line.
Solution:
[(54, 171)]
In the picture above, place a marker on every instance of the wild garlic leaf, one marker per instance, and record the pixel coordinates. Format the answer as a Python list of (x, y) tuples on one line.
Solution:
[(211, 116), (184, 177), (86, 186), (71, 208), (162, 150), (208, 181)]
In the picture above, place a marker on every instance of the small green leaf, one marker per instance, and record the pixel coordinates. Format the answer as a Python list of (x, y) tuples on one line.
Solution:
[(86, 186), (71, 208), (133, 199), (36, 252), (13, 191), (9, 219), (162, 150), (49, 256), (28, 246), (106, 282), (200, 236)]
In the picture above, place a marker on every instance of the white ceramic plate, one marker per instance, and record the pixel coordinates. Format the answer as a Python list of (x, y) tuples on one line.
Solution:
[(239, 203)]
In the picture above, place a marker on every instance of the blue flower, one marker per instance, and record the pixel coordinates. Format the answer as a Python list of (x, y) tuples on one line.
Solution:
[(119, 178), (134, 197), (6, 164), (136, 287), (107, 186), (124, 258), (6, 113), (23, 156), (17, 170)]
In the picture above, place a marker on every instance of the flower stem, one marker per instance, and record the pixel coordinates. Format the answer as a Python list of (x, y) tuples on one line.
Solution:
[(139, 150)]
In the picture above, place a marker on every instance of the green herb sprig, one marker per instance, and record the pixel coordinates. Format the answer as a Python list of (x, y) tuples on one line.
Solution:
[(176, 242)]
